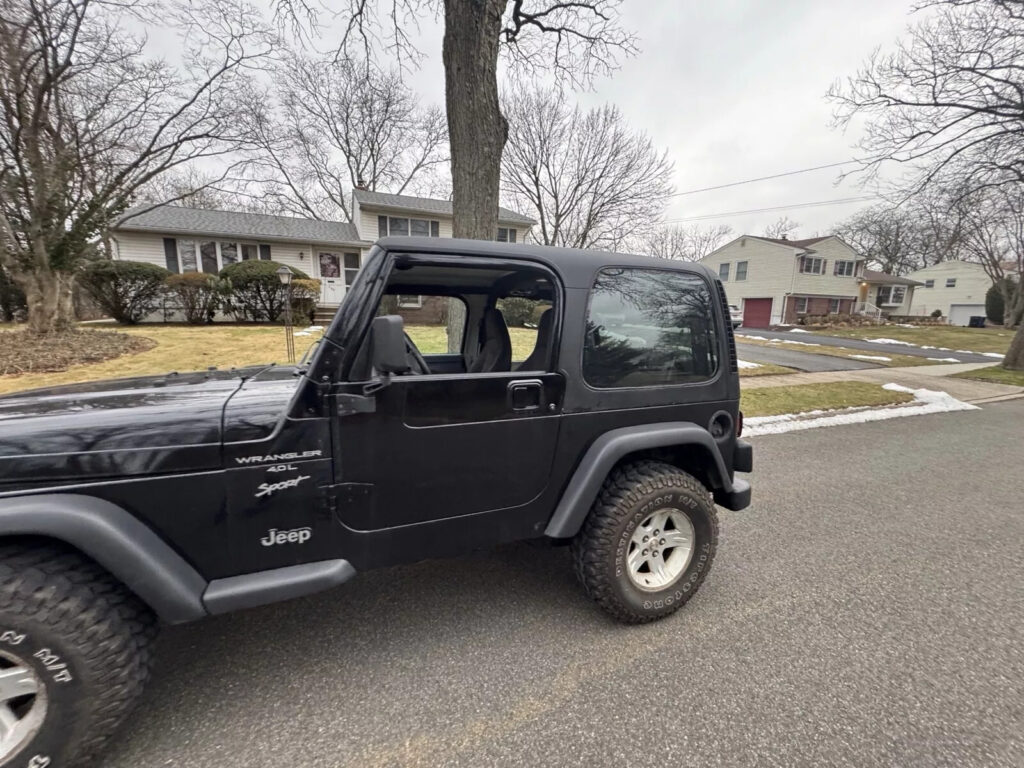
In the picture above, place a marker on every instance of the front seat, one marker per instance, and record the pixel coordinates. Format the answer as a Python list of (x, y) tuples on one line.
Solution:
[(538, 359), (496, 349)]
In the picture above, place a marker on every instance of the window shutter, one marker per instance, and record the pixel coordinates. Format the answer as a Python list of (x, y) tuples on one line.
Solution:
[(800, 267), (511, 235), (171, 254), (435, 229), (824, 266), (264, 252), (382, 226)]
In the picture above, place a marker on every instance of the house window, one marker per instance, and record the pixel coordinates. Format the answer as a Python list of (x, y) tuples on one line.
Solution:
[(649, 328), (891, 295), (833, 305), (723, 272), (400, 225), (188, 255), (801, 305), (951, 282), (506, 235), (351, 268), (410, 302), (845, 268), (812, 265), (929, 283), (741, 270)]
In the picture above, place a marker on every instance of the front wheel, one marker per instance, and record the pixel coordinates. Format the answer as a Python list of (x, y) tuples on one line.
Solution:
[(647, 543), (73, 656)]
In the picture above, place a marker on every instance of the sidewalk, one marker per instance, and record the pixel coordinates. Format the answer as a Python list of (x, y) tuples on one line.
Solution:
[(916, 377)]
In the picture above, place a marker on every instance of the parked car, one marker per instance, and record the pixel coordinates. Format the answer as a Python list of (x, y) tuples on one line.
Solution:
[(736, 316), (170, 498)]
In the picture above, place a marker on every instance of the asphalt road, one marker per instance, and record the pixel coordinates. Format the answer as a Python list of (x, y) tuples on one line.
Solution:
[(794, 358), (867, 610), (835, 341)]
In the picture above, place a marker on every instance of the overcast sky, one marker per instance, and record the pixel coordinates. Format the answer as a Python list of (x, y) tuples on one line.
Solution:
[(734, 89)]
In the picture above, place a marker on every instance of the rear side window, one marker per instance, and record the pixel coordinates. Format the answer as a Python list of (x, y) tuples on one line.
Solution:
[(648, 328)]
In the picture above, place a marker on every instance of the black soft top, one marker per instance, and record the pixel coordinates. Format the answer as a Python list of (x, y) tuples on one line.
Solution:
[(575, 265)]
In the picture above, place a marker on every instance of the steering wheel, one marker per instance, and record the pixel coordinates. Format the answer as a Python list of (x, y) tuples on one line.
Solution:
[(417, 364)]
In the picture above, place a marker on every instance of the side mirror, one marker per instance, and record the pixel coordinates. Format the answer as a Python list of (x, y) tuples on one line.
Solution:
[(387, 345)]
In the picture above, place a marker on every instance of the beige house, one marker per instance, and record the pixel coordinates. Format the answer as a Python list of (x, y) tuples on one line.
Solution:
[(955, 288), (775, 281), (200, 240)]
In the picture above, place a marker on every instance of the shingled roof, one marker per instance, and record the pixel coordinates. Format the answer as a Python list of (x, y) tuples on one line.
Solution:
[(806, 243), (427, 205), (884, 278), (255, 226)]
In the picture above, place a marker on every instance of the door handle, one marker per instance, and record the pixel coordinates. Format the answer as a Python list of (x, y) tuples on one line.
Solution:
[(526, 395)]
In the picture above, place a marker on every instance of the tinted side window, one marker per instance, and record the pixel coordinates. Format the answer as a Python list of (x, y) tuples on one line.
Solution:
[(648, 328)]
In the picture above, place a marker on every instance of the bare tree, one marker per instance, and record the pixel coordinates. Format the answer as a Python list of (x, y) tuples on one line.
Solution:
[(691, 243), (572, 39), (88, 120), (781, 227), (340, 124), (993, 236), (590, 181), (947, 105)]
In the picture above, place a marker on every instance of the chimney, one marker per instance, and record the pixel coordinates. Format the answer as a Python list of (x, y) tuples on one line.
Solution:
[(784, 236), (361, 184)]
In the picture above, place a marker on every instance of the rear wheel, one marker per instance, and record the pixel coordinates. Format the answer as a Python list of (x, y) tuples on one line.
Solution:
[(648, 542), (73, 656)]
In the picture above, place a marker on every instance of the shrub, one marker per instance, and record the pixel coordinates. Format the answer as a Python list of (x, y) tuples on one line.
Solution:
[(937, 313), (199, 295), (125, 290), (517, 311), (995, 304), (256, 292), (305, 295)]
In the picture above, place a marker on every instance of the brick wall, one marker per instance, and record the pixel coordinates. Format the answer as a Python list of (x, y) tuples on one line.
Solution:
[(431, 313), (816, 305)]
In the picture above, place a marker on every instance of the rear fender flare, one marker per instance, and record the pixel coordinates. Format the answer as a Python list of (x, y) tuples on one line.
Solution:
[(607, 450), (117, 541)]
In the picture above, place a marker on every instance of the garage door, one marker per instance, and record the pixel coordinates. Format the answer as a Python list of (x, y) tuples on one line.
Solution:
[(960, 314), (757, 313)]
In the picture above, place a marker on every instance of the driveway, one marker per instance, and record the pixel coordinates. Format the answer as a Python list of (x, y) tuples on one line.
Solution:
[(801, 361), (866, 610), (876, 348)]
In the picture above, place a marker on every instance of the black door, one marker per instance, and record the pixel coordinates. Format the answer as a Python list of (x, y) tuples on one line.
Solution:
[(444, 446)]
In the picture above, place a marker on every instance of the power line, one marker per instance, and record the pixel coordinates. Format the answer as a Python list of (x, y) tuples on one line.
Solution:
[(761, 178), (813, 204)]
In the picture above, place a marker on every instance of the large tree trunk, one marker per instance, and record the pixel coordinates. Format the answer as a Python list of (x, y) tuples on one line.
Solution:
[(477, 130), (1014, 359), (48, 297)]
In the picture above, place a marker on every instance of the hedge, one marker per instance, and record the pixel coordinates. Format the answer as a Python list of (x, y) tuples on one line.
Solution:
[(256, 292), (125, 290), (199, 295)]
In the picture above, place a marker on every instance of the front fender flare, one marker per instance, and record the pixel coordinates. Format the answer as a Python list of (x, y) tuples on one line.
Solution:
[(119, 542), (609, 448)]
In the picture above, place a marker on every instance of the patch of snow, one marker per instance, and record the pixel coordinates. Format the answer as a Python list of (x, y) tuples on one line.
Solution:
[(745, 364), (889, 341), (801, 343), (906, 325), (940, 349), (944, 359), (302, 333), (872, 357), (798, 330), (926, 401), (992, 354), (313, 328), (748, 336)]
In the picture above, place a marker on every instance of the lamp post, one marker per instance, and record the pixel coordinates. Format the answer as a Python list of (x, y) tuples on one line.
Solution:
[(285, 276)]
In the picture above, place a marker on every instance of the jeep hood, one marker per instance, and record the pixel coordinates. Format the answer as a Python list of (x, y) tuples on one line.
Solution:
[(124, 427)]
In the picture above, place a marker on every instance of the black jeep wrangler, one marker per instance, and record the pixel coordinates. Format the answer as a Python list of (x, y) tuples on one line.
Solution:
[(179, 496)]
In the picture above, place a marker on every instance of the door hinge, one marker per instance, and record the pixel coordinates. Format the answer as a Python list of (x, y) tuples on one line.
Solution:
[(348, 404)]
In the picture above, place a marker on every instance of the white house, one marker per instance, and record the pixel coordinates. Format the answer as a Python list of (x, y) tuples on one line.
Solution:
[(200, 240), (955, 288), (776, 280)]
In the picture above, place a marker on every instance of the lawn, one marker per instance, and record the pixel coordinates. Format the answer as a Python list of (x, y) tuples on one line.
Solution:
[(895, 360), (996, 375), (766, 369), (951, 337), (771, 401)]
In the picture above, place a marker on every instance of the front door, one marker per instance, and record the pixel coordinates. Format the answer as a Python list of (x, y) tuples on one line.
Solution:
[(332, 281)]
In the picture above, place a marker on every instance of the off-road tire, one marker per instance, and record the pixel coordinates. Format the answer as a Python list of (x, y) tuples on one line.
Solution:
[(628, 496), (87, 640)]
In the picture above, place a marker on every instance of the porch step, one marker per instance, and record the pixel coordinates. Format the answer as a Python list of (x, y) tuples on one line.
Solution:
[(324, 315)]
